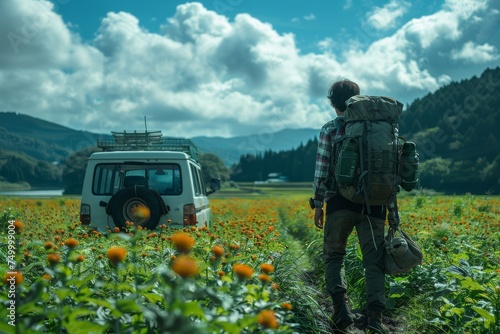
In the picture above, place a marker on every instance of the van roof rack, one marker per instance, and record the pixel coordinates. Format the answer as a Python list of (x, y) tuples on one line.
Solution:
[(147, 141)]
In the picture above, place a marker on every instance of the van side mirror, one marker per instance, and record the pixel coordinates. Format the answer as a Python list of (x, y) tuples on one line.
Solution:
[(214, 185)]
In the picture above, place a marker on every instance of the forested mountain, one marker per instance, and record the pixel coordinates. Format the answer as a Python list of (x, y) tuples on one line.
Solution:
[(41, 139), (296, 164), (455, 129)]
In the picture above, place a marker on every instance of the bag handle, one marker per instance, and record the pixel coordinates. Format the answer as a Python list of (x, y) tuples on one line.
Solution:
[(393, 216)]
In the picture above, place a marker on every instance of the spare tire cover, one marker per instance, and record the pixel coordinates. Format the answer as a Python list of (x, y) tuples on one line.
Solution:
[(138, 205)]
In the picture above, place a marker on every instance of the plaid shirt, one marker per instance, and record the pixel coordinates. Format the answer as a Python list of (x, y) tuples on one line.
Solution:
[(323, 174)]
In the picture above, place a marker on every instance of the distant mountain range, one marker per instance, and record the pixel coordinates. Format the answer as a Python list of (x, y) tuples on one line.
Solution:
[(51, 142)]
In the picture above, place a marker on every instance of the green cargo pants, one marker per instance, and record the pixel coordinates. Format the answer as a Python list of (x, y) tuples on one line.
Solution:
[(338, 226)]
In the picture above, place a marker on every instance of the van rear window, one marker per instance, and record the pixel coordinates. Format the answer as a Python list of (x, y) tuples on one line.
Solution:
[(110, 178)]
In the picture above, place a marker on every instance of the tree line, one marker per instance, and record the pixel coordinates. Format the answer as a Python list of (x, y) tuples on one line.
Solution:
[(296, 164)]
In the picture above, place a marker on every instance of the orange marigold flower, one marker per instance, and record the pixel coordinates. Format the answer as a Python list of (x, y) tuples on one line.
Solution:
[(267, 268), (116, 229), (71, 243), (286, 306), (185, 266), (221, 273), (116, 254), (267, 319), (80, 258), (48, 245), (183, 242), (218, 251), (46, 277), (18, 225), (54, 258), (15, 277), (243, 271), (264, 278)]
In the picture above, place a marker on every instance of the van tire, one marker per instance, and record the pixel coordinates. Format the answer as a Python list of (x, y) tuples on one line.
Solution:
[(124, 201)]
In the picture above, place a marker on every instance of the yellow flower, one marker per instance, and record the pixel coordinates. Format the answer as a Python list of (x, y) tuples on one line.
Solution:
[(243, 271), (218, 251), (264, 278), (286, 306), (267, 268), (15, 276), (54, 258), (267, 319), (183, 242), (185, 266), (116, 254), (18, 225), (48, 245), (71, 243)]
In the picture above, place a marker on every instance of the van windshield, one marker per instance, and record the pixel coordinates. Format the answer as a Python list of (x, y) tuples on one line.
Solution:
[(110, 178)]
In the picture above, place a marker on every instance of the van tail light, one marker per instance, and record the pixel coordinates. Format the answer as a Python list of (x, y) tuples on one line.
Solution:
[(85, 214), (189, 214)]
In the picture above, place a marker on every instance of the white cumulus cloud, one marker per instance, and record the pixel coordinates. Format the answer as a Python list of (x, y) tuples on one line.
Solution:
[(206, 74), (385, 17)]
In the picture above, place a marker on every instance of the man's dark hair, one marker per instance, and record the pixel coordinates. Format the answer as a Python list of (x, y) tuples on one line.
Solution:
[(341, 91)]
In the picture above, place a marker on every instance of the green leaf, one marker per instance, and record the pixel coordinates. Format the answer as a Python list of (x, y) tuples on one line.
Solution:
[(29, 308), (490, 318), (192, 308), (74, 313), (457, 310), (470, 284), (62, 293), (80, 281), (84, 327), (153, 297), (100, 302), (128, 306), (230, 328)]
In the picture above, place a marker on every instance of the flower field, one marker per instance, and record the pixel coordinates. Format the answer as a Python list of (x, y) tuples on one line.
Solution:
[(257, 270)]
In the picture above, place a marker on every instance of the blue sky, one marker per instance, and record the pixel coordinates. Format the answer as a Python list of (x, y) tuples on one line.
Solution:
[(230, 67)]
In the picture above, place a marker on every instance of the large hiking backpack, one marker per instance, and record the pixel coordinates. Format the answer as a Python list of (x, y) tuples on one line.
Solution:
[(371, 159)]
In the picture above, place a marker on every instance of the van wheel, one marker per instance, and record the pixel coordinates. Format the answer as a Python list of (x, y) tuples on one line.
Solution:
[(137, 205)]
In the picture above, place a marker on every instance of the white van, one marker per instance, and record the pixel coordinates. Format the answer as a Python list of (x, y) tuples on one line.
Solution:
[(146, 181)]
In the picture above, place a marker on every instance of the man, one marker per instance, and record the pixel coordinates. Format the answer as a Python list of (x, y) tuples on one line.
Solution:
[(342, 216)]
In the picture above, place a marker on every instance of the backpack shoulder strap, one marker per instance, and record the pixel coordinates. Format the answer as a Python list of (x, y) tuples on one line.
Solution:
[(337, 138)]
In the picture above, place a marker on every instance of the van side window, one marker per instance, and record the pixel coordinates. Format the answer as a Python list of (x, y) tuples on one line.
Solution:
[(202, 182), (196, 180), (106, 180)]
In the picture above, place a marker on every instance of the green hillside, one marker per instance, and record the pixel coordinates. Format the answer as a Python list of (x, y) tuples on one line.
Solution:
[(456, 132), (41, 139)]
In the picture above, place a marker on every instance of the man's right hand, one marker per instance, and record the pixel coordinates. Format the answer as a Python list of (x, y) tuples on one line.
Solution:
[(318, 217)]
